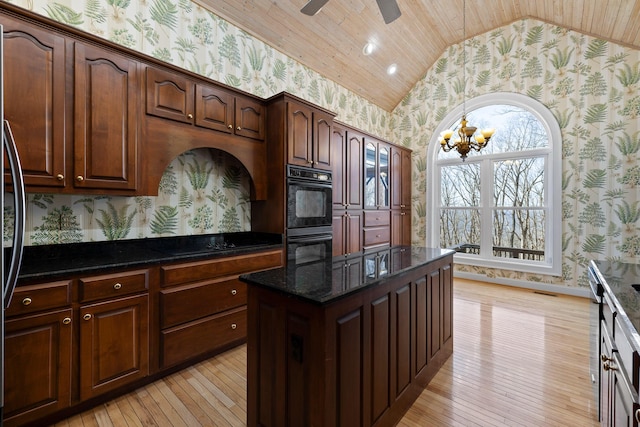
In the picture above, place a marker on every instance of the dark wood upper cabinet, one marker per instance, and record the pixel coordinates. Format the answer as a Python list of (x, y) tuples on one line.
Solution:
[(376, 174), (249, 118), (300, 134), (400, 178), (169, 95), (35, 100), (176, 97), (309, 139), (106, 109), (347, 167)]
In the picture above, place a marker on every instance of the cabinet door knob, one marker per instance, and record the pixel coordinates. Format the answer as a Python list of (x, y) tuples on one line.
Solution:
[(26, 301), (230, 126), (638, 415), (607, 366), (233, 292), (606, 358), (190, 116), (66, 320), (117, 286), (79, 178), (310, 162), (402, 214), (234, 326), (60, 177), (87, 316), (238, 128)]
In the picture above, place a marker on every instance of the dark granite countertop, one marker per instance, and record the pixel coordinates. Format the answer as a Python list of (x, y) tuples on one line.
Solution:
[(325, 281), (618, 280), (47, 262)]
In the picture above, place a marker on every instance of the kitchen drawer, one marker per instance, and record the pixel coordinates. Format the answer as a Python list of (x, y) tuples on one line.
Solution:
[(622, 344), (179, 274), (113, 285), (193, 339), (32, 298), (376, 236), (190, 302), (376, 218)]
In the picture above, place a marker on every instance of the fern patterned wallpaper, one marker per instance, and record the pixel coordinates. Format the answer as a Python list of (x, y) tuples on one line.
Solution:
[(201, 192), (591, 86)]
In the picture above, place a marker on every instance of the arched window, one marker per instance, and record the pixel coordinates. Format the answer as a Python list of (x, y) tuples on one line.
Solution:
[(500, 208)]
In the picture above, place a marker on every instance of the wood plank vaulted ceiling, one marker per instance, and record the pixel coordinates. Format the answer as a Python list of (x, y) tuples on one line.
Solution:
[(331, 42)]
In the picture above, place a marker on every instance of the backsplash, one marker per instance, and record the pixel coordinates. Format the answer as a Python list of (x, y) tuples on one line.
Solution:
[(202, 191)]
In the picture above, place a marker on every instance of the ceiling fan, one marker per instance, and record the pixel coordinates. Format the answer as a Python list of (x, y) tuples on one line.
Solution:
[(388, 8)]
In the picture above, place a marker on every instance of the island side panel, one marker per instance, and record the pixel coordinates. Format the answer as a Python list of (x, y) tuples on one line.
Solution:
[(353, 361)]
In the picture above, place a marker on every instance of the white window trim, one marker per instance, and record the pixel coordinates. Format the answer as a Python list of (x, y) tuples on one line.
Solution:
[(553, 184)]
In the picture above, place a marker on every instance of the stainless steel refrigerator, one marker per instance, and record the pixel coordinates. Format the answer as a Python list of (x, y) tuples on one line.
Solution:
[(11, 258)]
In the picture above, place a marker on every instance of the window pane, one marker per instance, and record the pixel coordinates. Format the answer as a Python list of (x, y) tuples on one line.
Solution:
[(519, 233), (460, 227), (516, 130), (519, 182), (460, 185)]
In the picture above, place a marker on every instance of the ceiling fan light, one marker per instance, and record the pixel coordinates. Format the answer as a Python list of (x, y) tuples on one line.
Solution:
[(368, 48)]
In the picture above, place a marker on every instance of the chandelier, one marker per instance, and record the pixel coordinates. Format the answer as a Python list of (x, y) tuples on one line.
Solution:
[(466, 139)]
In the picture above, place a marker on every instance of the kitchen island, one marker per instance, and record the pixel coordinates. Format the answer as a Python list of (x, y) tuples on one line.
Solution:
[(347, 341)]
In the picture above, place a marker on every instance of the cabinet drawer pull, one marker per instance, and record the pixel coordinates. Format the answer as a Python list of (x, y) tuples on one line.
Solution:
[(66, 320), (60, 177), (233, 292), (87, 316), (117, 286), (230, 126), (190, 116), (234, 326), (26, 301), (79, 178)]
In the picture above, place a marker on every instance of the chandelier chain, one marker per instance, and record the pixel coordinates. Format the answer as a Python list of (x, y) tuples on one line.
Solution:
[(464, 57), (466, 139)]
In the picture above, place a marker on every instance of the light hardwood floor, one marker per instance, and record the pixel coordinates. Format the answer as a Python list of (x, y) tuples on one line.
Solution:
[(520, 358)]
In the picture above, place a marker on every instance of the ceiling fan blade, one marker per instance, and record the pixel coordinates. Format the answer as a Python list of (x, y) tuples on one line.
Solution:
[(313, 7), (389, 9)]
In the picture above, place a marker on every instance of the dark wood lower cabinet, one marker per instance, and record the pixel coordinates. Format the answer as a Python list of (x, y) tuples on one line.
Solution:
[(37, 366), (77, 342), (361, 360), (114, 344)]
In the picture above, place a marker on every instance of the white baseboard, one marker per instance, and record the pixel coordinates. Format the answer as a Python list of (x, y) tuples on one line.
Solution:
[(536, 286)]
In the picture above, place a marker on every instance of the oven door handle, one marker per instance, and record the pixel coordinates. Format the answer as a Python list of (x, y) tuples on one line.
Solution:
[(309, 238), (311, 183)]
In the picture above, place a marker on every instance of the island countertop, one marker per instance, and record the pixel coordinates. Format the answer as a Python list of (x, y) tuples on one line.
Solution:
[(325, 281)]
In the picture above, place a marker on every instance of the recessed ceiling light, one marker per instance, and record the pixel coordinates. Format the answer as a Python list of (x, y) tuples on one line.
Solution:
[(391, 70), (368, 48)]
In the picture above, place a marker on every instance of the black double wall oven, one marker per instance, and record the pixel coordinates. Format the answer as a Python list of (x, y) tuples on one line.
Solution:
[(309, 214)]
